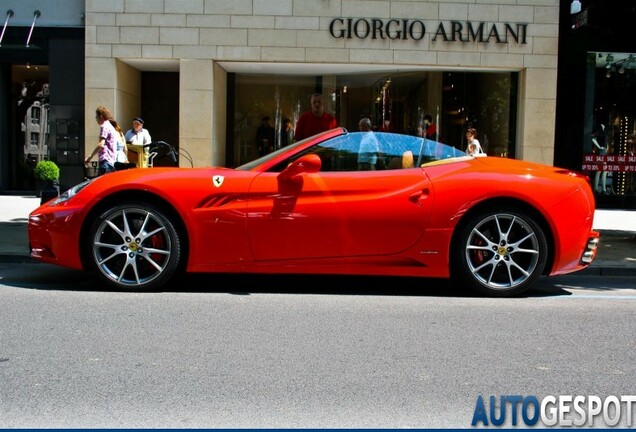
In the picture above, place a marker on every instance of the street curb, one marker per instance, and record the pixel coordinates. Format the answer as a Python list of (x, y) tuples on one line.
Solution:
[(605, 271), (17, 259), (631, 235)]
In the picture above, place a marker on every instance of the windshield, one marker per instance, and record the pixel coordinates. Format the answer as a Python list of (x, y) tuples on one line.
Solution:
[(249, 165), (362, 151)]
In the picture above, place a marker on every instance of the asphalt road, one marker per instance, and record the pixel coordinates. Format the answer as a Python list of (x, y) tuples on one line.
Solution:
[(299, 352)]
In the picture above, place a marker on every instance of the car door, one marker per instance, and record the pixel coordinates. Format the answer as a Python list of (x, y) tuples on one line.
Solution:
[(343, 213)]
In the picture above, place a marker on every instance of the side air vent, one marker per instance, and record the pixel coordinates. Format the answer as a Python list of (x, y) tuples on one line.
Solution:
[(218, 201)]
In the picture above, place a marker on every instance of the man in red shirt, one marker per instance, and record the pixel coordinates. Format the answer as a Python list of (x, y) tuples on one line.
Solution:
[(315, 121), (431, 129)]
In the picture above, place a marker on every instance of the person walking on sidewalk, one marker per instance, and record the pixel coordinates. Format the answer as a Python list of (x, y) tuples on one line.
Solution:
[(107, 144)]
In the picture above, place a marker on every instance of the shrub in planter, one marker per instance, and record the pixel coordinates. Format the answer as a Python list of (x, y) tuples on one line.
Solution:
[(47, 175), (47, 170)]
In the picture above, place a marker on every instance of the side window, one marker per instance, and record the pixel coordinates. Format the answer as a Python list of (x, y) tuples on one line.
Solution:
[(349, 152), (338, 154), (394, 151), (399, 151)]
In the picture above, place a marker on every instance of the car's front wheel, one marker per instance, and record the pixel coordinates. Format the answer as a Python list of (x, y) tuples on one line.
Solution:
[(499, 253), (134, 246)]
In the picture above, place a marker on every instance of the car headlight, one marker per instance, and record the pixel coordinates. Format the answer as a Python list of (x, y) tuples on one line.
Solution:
[(70, 193)]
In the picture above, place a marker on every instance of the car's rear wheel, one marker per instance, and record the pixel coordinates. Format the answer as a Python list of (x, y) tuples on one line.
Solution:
[(499, 253), (134, 246)]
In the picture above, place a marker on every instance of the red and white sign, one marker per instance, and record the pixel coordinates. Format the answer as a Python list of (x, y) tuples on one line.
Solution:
[(612, 163)]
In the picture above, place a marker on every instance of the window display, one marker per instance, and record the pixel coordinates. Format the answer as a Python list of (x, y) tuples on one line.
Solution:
[(30, 121), (394, 102), (608, 148)]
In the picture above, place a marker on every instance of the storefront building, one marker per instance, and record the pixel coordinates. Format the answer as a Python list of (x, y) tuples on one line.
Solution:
[(205, 73), (596, 110), (41, 90)]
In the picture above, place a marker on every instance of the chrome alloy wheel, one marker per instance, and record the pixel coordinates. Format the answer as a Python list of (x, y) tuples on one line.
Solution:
[(132, 246), (502, 251)]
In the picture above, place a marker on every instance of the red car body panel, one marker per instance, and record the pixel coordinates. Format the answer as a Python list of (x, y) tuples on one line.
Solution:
[(563, 198), (393, 222)]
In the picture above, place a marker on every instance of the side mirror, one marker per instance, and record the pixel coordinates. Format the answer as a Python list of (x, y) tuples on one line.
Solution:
[(307, 164)]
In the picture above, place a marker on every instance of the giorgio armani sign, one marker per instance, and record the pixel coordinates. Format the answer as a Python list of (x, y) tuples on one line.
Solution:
[(413, 29)]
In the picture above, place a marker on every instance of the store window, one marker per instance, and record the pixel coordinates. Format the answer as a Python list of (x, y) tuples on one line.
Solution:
[(486, 101), (610, 131), (29, 131), (266, 107)]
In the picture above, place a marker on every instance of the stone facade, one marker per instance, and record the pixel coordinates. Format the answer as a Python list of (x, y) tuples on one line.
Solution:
[(197, 37)]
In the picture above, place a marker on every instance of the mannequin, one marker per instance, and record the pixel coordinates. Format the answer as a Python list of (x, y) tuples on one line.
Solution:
[(600, 178)]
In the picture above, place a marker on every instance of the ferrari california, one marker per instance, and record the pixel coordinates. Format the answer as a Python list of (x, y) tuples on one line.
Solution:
[(354, 203)]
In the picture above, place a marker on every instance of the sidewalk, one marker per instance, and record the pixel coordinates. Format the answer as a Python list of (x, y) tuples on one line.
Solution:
[(617, 250), (616, 255), (14, 215)]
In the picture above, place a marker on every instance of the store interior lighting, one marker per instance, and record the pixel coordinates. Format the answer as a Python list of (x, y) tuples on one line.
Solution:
[(620, 66)]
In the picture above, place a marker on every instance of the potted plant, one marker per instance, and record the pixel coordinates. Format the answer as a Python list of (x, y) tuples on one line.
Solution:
[(47, 179)]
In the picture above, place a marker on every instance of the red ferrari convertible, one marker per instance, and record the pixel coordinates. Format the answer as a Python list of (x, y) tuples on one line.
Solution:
[(357, 203)]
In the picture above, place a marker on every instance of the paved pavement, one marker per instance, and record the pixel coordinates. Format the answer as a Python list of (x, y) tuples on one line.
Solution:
[(616, 255)]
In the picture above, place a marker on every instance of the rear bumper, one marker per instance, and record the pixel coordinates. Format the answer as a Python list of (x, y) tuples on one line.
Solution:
[(589, 253), (586, 256)]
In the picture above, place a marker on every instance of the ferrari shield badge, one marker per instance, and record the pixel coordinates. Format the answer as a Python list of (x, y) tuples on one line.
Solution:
[(217, 180)]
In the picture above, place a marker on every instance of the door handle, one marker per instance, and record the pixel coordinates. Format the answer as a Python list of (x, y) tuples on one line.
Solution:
[(417, 196)]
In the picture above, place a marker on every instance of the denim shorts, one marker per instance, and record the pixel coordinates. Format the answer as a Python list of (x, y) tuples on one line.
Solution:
[(105, 167)]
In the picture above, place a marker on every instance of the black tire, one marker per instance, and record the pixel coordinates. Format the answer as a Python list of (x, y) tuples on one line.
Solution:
[(499, 253), (133, 246)]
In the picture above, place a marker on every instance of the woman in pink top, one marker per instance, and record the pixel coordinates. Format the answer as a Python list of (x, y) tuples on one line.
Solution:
[(107, 144)]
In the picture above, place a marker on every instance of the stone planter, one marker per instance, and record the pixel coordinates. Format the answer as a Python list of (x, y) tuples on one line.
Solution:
[(47, 189)]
